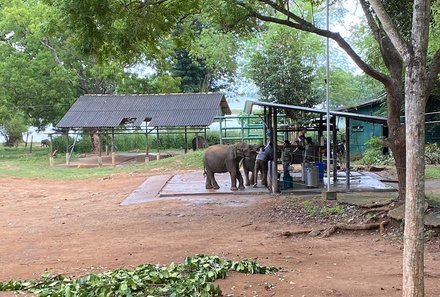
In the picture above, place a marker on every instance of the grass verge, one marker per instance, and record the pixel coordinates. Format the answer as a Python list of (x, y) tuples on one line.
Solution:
[(18, 162)]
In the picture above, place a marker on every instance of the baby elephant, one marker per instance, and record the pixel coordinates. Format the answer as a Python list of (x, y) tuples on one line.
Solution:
[(45, 143), (222, 158)]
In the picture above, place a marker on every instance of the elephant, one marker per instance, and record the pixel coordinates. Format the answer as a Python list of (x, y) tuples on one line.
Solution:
[(249, 166), (198, 142), (45, 143), (221, 158)]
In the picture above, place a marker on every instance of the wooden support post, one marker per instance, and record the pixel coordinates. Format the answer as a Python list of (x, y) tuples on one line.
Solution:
[(347, 151), (275, 154), (320, 130), (67, 148), (112, 147), (221, 135), (51, 163), (186, 141), (106, 142), (158, 144), (335, 150), (147, 156), (99, 153)]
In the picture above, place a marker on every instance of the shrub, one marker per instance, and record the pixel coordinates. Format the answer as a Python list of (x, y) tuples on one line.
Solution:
[(432, 154), (374, 156)]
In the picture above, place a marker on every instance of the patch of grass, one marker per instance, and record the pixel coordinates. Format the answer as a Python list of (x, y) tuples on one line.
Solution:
[(432, 172), (314, 209), (18, 162)]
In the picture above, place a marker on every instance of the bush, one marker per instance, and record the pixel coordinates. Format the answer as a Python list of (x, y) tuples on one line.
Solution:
[(432, 154), (374, 155), (82, 144)]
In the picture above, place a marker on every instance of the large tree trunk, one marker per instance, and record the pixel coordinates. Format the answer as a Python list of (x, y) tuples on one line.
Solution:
[(416, 94), (413, 262), (397, 146), (396, 137)]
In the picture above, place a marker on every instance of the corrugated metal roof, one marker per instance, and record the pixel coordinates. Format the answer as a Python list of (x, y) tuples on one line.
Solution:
[(356, 116), (162, 110)]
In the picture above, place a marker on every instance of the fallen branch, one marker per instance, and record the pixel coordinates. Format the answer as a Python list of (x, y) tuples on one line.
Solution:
[(326, 232), (352, 227), (293, 233), (376, 209)]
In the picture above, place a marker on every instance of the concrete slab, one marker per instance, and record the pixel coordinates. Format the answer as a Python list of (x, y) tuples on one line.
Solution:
[(359, 182), (148, 190), (193, 183), (190, 185)]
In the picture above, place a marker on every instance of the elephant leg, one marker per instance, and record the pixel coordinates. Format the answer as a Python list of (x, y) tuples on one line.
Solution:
[(211, 183), (246, 176), (240, 179), (208, 184), (233, 181)]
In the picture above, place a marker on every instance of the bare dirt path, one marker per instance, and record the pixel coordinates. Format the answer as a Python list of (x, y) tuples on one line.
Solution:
[(78, 227)]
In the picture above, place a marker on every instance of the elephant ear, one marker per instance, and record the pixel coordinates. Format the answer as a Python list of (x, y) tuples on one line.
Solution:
[(234, 152), (240, 150)]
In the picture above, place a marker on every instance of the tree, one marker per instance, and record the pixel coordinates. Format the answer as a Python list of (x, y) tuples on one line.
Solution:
[(12, 126), (194, 76), (280, 70), (404, 49), (403, 46), (413, 52)]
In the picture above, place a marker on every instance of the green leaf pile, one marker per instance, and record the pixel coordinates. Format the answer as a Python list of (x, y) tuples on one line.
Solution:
[(193, 277)]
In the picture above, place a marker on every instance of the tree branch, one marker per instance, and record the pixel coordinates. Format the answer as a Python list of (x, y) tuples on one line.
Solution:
[(45, 42), (386, 47), (371, 22), (308, 27), (399, 43)]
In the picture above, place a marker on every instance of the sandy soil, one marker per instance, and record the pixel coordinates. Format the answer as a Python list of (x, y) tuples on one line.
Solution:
[(78, 227)]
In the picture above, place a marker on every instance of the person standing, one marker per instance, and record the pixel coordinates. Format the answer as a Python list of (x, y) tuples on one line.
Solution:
[(260, 166), (287, 157), (310, 153)]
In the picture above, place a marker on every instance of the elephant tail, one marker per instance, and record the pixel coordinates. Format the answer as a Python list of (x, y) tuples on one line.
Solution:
[(204, 171)]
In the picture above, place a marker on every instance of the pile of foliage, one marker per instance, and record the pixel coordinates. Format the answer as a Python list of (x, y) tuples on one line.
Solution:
[(193, 277), (374, 154)]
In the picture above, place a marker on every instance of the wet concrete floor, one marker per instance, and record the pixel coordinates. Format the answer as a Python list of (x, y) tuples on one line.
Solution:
[(191, 185)]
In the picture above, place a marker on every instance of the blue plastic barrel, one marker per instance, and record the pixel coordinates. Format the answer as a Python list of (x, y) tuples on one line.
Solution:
[(321, 170)]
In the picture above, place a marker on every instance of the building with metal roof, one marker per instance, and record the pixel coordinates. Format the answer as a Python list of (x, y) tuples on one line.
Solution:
[(160, 110), (173, 113)]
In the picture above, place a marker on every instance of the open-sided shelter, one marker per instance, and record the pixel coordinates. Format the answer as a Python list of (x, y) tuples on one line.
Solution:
[(270, 116), (195, 111)]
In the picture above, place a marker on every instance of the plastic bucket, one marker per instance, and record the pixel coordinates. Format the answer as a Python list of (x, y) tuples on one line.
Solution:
[(321, 170)]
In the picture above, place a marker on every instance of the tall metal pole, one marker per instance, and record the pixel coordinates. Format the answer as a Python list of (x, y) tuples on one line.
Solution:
[(327, 94)]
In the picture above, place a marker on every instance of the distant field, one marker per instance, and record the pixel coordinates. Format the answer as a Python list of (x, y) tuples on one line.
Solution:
[(19, 162)]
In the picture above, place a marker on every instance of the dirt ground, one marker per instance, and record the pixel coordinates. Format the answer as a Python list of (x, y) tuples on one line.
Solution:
[(78, 227)]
